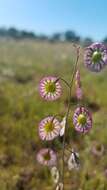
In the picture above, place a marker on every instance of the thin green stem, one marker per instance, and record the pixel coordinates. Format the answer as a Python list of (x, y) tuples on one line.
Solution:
[(59, 78), (55, 116), (67, 114)]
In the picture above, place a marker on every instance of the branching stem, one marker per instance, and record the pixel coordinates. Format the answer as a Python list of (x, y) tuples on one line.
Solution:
[(59, 78), (67, 114)]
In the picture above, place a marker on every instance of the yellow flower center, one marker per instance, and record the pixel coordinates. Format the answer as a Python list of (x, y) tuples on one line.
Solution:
[(47, 156), (96, 57), (82, 119), (50, 87), (49, 127)]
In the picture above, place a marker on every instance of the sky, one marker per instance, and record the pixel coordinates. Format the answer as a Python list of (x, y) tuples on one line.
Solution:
[(87, 17)]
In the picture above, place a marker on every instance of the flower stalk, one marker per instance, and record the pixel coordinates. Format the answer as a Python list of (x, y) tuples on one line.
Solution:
[(95, 59), (67, 115)]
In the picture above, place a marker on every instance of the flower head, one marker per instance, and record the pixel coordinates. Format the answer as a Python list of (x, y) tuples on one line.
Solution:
[(82, 120), (73, 161), (97, 149), (77, 79), (49, 128), (46, 157), (105, 172), (79, 92), (55, 174), (50, 88), (63, 124), (95, 57)]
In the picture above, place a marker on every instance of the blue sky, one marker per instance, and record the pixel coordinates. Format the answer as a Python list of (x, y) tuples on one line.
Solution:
[(86, 17)]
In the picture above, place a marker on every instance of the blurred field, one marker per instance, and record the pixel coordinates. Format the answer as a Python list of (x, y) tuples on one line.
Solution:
[(22, 65)]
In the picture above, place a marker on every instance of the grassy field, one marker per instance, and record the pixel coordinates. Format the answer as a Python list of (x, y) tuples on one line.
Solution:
[(22, 65)]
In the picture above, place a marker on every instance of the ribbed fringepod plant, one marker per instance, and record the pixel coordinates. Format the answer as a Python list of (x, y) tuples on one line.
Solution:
[(50, 89)]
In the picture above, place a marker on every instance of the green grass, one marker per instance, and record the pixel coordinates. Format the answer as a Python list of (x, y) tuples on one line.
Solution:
[(22, 65)]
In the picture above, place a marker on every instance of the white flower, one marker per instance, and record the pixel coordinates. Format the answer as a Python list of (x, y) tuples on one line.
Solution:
[(55, 174), (73, 161), (47, 157), (49, 128), (63, 124)]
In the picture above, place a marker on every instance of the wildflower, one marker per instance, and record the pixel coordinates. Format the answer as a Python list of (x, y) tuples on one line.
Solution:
[(95, 57), (105, 172), (73, 161), (49, 128), (77, 79), (55, 174), (82, 120), (98, 149), (79, 92), (59, 186), (50, 88), (46, 157), (63, 124)]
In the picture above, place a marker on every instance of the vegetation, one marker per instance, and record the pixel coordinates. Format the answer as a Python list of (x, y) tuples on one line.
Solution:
[(69, 36), (22, 64)]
